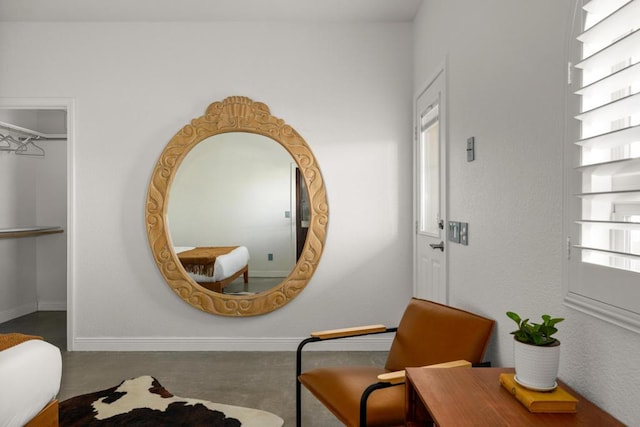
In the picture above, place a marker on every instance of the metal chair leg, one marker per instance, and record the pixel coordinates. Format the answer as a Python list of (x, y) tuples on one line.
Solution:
[(365, 396), (298, 384)]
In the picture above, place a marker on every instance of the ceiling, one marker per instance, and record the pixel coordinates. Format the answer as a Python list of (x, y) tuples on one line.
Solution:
[(209, 10)]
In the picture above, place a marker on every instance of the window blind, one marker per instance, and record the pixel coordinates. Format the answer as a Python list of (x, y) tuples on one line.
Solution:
[(609, 143)]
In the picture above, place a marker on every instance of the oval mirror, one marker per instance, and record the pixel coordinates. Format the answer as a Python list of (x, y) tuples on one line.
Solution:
[(219, 180)]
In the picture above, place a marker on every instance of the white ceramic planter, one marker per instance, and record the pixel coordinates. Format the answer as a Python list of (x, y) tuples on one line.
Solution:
[(536, 366)]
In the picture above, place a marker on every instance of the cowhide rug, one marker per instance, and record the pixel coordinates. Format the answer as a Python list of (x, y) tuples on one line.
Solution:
[(142, 401)]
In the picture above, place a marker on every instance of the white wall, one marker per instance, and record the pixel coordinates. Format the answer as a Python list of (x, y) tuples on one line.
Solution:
[(17, 208), (346, 88), (51, 210), (506, 88)]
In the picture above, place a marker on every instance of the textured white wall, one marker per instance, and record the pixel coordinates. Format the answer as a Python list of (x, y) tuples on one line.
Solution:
[(346, 88), (506, 88)]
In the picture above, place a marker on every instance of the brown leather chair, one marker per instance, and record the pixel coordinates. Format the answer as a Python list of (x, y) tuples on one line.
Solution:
[(429, 333)]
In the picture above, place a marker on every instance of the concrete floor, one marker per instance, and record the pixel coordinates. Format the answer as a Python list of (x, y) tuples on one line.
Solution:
[(256, 284), (262, 380)]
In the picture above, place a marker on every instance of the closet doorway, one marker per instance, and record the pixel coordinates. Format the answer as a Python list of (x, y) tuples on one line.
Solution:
[(35, 206)]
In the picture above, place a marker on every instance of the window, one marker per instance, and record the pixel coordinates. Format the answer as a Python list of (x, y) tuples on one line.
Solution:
[(604, 188), (429, 169)]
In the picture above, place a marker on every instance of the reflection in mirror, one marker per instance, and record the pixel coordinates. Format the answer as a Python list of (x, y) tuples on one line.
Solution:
[(197, 203), (234, 191)]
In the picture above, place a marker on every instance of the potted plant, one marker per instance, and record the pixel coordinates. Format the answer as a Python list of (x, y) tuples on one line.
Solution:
[(536, 352)]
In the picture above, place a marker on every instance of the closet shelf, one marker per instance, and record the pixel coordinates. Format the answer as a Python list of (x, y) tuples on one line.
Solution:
[(11, 233)]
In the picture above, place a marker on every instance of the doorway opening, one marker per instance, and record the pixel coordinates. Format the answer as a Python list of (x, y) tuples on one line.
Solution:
[(35, 205)]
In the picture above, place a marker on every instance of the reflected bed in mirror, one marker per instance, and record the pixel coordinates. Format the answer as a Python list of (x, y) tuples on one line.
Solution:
[(236, 211), (215, 267)]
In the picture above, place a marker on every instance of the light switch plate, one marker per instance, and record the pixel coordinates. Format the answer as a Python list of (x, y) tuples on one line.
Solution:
[(464, 233), (471, 149), (454, 232)]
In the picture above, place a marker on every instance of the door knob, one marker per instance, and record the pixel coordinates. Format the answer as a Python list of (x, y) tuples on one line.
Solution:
[(437, 246)]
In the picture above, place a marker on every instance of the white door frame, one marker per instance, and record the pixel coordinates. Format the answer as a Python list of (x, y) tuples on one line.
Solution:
[(67, 104), (440, 72)]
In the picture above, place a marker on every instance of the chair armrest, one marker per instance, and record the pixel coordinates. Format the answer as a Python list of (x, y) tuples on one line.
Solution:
[(397, 377), (349, 332), (452, 364)]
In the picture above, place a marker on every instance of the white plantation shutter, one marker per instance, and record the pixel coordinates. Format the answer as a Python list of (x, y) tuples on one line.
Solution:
[(604, 273)]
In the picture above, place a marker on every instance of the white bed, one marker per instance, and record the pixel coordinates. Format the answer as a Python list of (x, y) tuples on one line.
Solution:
[(215, 271), (30, 374)]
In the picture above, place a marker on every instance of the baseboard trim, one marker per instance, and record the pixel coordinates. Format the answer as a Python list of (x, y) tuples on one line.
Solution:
[(14, 313), (227, 344), (52, 306)]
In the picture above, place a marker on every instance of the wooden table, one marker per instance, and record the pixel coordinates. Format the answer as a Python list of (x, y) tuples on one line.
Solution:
[(474, 397)]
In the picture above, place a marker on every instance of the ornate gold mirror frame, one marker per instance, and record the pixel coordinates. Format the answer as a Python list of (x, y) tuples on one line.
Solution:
[(234, 114)]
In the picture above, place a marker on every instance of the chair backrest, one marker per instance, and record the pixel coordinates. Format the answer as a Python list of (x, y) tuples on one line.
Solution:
[(430, 333)]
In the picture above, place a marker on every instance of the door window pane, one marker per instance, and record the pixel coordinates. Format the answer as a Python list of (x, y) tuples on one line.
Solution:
[(429, 195)]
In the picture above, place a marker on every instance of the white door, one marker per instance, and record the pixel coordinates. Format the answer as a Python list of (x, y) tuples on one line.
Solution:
[(430, 270)]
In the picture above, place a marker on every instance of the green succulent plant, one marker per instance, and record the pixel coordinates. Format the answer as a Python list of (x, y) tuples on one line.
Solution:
[(535, 333)]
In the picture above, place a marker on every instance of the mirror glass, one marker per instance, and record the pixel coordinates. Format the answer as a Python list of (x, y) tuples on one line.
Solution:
[(238, 189), (236, 210)]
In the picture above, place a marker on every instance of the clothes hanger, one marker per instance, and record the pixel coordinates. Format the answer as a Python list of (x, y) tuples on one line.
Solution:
[(24, 150), (4, 139), (10, 141)]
